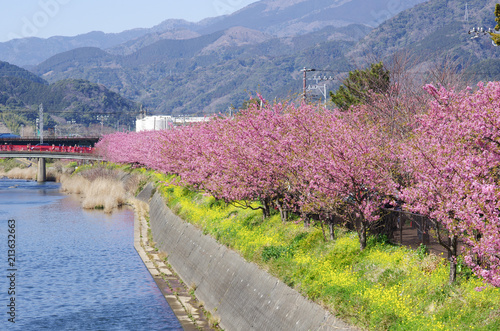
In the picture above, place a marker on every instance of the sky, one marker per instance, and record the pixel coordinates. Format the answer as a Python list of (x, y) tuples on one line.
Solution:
[(47, 18)]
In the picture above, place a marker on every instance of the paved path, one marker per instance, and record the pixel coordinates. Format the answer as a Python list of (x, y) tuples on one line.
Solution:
[(184, 307), (412, 239)]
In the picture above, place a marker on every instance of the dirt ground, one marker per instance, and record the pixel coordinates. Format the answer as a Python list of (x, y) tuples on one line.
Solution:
[(413, 238)]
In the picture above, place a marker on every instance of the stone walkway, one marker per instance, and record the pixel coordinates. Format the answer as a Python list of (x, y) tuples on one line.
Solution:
[(186, 309)]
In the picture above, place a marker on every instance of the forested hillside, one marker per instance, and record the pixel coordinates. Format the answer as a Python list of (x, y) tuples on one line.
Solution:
[(75, 101), (192, 72), (436, 31), (9, 70), (207, 74)]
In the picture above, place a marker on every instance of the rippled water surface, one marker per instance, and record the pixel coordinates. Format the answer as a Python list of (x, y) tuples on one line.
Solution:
[(76, 269)]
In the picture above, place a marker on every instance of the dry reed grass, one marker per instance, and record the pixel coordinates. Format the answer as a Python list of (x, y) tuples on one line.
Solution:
[(30, 173), (73, 184), (132, 183), (104, 193), (100, 187), (103, 188), (98, 172), (26, 173)]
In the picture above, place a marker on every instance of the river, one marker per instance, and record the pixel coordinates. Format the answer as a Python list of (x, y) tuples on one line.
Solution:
[(73, 269)]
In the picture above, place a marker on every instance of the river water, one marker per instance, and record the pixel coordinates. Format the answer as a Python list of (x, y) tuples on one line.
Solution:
[(73, 269)]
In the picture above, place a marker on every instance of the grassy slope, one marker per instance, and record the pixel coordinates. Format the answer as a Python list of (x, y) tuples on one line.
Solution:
[(385, 287)]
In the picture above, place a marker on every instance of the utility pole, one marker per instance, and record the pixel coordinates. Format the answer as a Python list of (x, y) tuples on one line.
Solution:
[(304, 95), (321, 88), (40, 122), (102, 118)]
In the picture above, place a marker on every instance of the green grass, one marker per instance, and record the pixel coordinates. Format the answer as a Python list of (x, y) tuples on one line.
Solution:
[(9, 164), (384, 287)]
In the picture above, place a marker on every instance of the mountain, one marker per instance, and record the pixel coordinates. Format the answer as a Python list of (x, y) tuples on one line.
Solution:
[(487, 70), (279, 18), (66, 100), (180, 67), (206, 74), (435, 32), (236, 37), (31, 51), (9, 70), (134, 45), (294, 17)]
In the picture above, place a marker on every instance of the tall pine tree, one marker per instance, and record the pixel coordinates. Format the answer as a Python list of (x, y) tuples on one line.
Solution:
[(496, 36), (359, 86)]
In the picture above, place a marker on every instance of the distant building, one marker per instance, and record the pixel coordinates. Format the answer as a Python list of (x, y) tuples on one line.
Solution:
[(163, 122), (150, 123)]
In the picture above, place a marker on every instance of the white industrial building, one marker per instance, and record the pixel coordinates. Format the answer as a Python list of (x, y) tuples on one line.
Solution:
[(162, 122)]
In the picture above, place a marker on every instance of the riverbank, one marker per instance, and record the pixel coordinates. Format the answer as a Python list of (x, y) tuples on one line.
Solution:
[(99, 187), (27, 170), (187, 309), (242, 295), (109, 188), (77, 270), (383, 287)]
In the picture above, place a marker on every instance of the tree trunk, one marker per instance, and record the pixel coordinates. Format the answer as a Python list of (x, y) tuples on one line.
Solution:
[(331, 227), (266, 212), (307, 222), (361, 229), (452, 257), (321, 220), (451, 245), (283, 214)]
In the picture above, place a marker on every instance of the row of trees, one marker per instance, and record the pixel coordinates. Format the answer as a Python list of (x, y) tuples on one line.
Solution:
[(347, 165)]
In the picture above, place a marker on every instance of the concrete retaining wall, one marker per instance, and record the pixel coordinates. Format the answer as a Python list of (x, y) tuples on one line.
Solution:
[(242, 295)]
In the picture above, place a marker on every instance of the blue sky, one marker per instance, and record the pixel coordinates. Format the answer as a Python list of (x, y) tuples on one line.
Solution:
[(46, 18)]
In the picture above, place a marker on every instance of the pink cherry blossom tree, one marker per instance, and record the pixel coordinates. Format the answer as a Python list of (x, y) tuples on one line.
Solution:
[(454, 159), (314, 161)]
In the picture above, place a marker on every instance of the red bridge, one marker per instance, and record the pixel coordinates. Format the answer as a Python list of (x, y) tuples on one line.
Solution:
[(46, 148), (57, 141), (47, 151)]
